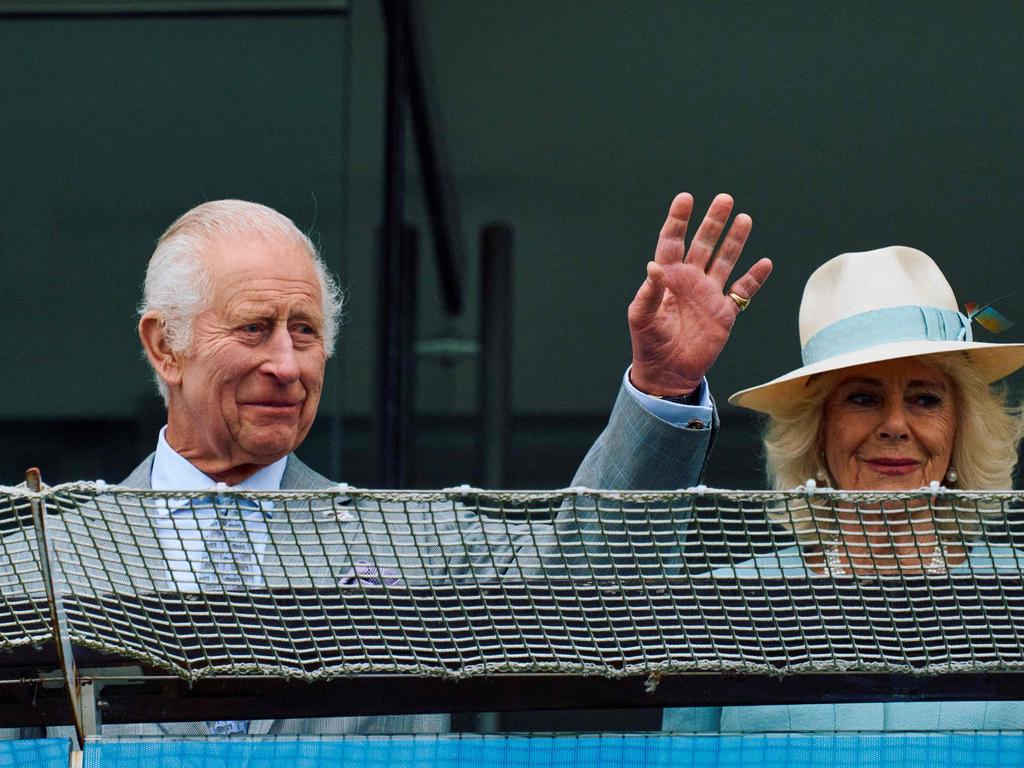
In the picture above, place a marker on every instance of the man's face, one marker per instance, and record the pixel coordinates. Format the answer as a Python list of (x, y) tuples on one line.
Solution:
[(250, 384)]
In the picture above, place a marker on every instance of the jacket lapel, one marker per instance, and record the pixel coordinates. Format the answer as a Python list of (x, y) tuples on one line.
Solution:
[(298, 477), (139, 477)]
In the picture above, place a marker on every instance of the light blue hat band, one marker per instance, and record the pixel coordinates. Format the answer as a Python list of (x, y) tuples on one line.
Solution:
[(886, 326)]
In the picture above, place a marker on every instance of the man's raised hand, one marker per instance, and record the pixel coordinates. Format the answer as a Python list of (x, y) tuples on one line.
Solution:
[(681, 317)]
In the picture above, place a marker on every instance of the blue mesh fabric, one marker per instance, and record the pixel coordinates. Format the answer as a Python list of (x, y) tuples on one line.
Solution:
[(940, 750), (34, 753)]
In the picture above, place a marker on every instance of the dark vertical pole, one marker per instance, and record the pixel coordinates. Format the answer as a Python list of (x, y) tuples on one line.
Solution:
[(494, 374), (495, 352), (406, 355), (441, 209), (388, 451)]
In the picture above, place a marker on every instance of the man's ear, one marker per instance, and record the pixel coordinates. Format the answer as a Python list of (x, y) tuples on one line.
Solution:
[(165, 361)]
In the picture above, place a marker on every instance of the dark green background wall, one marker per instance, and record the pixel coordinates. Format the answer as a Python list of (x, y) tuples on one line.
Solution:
[(837, 126), (112, 128)]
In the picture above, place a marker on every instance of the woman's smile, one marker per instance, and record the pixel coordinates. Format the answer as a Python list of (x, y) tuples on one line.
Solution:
[(895, 466), (889, 426)]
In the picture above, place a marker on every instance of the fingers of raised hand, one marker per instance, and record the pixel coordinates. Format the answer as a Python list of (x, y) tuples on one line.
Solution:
[(672, 240), (730, 249), (710, 230), (748, 285), (648, 297)]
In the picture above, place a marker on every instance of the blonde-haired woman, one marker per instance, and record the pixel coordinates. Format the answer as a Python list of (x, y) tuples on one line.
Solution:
[(983, 435), (894, 395)]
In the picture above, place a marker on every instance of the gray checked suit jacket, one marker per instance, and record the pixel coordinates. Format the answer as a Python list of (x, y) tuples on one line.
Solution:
[(635, 451)]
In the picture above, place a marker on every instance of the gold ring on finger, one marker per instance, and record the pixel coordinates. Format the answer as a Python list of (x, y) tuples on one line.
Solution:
[(741, 302)]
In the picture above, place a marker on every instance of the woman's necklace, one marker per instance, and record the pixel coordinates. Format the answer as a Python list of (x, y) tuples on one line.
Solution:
[(936, 565)]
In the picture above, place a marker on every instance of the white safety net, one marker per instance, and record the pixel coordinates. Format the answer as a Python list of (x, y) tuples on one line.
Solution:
[(465, 582), (24, 618)]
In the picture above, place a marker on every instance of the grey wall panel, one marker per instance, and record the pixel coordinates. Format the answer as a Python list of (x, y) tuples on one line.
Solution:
[(112, 127), (838, 126)]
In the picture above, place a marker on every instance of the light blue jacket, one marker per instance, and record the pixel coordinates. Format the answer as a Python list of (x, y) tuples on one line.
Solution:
[(872, 716)]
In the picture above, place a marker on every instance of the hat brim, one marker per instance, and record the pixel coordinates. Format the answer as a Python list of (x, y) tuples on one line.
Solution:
[(993, 362)]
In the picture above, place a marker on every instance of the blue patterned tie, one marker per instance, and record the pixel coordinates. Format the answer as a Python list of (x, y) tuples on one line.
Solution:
[(234, 534), (232, 529)]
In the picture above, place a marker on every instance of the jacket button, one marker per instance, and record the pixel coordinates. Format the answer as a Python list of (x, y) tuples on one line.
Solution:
[(695, 424)]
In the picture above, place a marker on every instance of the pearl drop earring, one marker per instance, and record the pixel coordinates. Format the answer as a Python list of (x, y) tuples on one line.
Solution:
[(821, 475), (952, 476)]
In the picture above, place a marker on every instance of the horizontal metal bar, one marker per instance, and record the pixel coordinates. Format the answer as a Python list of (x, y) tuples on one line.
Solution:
[(163, 700), (70, 8), (158, 698), (393, 694)]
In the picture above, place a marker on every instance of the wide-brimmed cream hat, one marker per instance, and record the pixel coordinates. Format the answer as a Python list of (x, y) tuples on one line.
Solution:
[(878, 305)]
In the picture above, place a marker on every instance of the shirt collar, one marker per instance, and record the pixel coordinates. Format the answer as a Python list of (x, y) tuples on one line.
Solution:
[(173, 472)]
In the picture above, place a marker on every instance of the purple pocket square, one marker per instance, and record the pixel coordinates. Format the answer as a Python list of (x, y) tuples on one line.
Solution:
[(370, 575)]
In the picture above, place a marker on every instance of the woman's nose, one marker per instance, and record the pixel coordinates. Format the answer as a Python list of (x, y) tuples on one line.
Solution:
[(894, 422)]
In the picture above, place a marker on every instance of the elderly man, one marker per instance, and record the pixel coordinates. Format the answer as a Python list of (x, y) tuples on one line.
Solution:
[(240, 315), (238, 319)]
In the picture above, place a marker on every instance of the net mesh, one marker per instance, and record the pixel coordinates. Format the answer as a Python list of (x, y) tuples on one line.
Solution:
[(24, 619), (465, 582)]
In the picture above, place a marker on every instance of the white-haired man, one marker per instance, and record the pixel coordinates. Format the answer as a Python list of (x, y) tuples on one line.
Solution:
[(238, 319)]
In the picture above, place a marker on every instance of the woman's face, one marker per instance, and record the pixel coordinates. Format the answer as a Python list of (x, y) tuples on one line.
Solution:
[(889, 426)]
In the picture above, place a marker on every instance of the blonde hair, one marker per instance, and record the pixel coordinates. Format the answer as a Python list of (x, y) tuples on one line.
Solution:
[(985, 445), (178, 283)]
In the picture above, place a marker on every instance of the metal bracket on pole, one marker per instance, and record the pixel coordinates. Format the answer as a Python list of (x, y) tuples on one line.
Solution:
[(87, 706), (58, 620)]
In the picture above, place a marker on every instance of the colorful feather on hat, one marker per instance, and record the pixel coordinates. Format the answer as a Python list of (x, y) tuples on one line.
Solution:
[(988, 317)]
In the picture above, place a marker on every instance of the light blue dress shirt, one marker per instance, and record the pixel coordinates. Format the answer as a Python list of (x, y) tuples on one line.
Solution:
[(192, 535), (676, 414), (173, 472)]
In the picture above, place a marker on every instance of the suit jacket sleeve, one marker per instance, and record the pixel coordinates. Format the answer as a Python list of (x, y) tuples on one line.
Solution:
[(638, 451), (600, 537)]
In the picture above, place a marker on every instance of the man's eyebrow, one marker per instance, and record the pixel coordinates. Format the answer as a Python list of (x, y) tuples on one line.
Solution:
[(261, 311), (302, 314)]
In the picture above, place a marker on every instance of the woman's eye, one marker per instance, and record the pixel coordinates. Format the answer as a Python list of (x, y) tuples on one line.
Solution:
[(927, 400), (861, 398)]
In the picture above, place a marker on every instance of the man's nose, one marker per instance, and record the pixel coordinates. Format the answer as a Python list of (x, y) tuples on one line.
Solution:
[(894, 422), (282, 363)]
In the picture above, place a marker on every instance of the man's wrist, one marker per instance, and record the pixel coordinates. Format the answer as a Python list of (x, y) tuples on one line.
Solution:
[(673, 394), (690, 398), (697, 415)]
